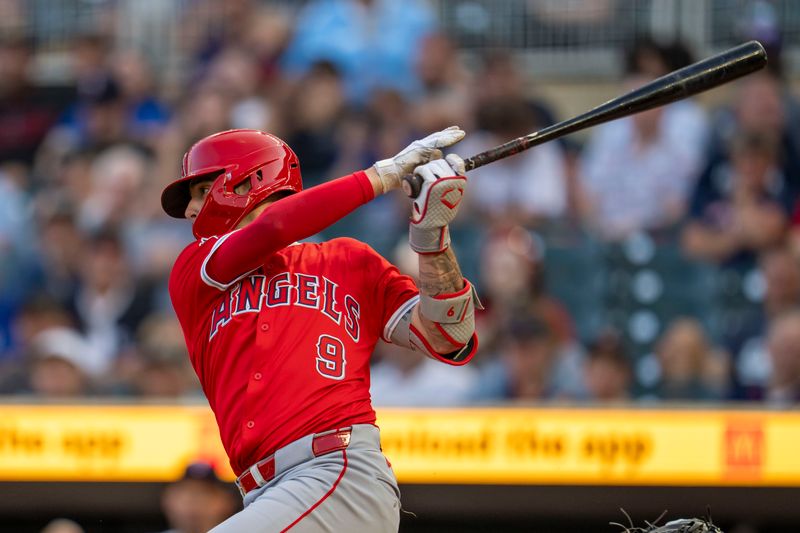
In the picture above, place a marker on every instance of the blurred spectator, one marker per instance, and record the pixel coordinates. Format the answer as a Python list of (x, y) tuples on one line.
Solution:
[(525, 366), (446, 85), (159, 367), (761, 104), (402, 377), (110, 303), (263, 29), (146, 114), (740, 207), (638, 172), (512, 283), (781, 276), (607, 371), (17, 253), (198, 501), (783, 343), (266, 34), (63, 525), (691, 368), (502, 79), (38, 313), (97, 119), (163, 378), (529, 186), (117, 174), (27, 111), (61, 364), (234, 72), (310, 119), (205, 112), (372, 42), (60, 248), (781, 271)]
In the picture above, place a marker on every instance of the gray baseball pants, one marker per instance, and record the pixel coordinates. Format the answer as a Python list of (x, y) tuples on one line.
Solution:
[(347, 490)]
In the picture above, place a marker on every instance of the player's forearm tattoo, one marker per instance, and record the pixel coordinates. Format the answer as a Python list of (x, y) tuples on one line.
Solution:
[(440, 273)]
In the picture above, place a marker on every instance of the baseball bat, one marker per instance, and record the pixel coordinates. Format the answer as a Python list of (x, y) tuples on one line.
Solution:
[(683, 83)]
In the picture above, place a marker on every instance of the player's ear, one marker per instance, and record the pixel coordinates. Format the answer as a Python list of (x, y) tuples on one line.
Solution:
[(243, 188)]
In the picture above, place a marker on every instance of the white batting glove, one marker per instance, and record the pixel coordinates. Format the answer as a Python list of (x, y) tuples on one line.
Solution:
[(443, 187), (391, 171)]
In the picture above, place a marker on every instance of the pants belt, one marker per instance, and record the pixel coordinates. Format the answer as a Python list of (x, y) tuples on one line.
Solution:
[(263, 471)]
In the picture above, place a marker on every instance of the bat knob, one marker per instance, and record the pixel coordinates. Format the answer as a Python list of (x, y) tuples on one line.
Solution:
[(411, 185)]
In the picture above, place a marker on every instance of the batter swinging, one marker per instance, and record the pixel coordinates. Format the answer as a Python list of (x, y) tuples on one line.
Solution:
[(280, 334)]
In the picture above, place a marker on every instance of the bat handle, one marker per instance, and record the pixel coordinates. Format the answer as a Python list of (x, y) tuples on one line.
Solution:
[(412, 185)]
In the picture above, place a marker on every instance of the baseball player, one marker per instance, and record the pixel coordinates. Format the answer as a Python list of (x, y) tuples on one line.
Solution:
[(280, 333)]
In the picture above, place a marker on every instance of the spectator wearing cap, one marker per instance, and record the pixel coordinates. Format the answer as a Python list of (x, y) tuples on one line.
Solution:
[(61, 365), (38, 313), (198, 501)]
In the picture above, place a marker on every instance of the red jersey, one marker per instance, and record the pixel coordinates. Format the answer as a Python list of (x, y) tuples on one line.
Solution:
[(283, 351)]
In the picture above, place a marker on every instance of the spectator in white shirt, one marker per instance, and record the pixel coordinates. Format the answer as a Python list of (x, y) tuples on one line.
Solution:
[(638, 172)]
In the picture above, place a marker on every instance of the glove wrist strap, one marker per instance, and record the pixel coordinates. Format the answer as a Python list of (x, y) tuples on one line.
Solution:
[(388, 173), (454, 314), (428, 240)]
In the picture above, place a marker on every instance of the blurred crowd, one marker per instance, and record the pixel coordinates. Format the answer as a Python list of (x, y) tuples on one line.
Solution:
[(656, 258)]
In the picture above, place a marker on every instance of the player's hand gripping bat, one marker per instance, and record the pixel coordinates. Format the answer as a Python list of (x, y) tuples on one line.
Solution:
[(683, 83)]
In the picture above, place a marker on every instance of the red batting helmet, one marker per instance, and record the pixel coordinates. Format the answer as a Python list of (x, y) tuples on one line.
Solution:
[(231, 158)]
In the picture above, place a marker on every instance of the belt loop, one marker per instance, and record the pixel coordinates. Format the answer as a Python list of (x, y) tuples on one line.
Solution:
[(256, 473)]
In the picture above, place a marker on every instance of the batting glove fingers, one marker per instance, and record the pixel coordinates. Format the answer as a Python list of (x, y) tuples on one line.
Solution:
[(391, 171)]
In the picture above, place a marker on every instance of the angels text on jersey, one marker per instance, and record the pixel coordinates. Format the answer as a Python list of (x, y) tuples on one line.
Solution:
[(254, 292)]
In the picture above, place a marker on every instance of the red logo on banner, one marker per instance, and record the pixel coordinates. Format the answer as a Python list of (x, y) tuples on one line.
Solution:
[(744, 449)]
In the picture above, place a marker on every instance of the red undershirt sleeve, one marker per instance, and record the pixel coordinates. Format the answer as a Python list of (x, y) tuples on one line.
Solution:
[(288, 220)]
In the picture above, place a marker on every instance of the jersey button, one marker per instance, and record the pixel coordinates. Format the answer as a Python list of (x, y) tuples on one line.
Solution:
[(264, 327), (250, 424), (257, 376)]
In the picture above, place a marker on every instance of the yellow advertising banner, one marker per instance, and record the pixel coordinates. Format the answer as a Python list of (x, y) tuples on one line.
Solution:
[(595, 447), (105, 442), (463, 446)]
